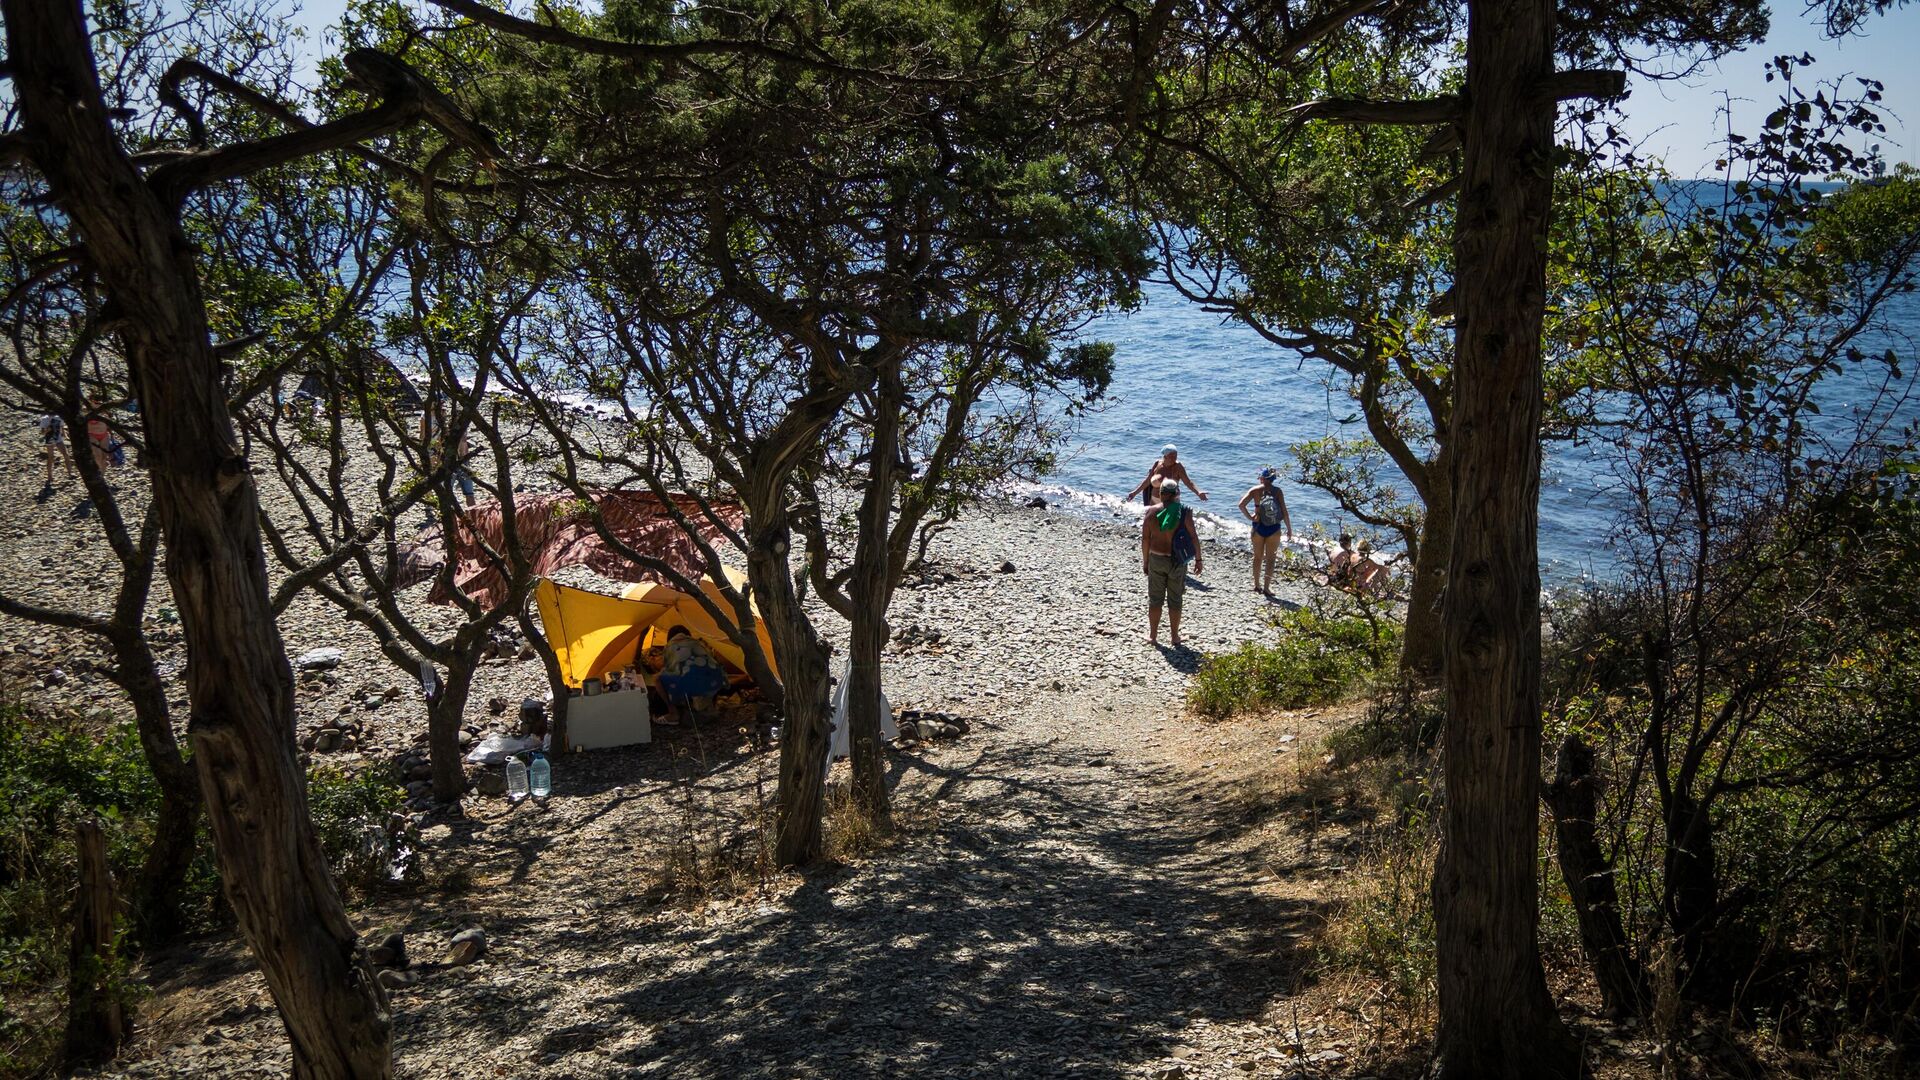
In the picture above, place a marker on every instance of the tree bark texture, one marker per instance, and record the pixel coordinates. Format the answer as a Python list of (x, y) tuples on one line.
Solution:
[(1590, 881), (556, 680), (1421, 644), (1692, 896), (241, 686), (802, 657), (870, 589), (1496, 1017), (96, 1016), (155, 899), (444, 714)]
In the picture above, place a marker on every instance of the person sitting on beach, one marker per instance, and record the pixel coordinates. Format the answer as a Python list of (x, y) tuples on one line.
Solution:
[(1344, 564), (1167, 541), (1370, 575), (1165, 470), (690, 673), (1268, 516)]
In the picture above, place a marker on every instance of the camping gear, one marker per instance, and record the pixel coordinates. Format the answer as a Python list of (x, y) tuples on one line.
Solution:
[(540, 776), (1268, 508), (593, 634), (516, 779), (1185, 544), (495, 749), (590, 686), (605, 720)]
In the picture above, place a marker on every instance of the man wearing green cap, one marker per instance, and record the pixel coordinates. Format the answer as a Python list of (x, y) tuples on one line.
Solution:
[(1167, 541)]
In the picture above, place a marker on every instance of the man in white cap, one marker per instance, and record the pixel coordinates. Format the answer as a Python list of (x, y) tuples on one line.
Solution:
[(1165, 470)]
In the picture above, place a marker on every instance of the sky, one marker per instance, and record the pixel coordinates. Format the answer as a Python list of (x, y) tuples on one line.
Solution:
[(1681, 120)]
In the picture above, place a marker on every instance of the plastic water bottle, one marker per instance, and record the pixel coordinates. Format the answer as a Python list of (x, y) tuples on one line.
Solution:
[(516, 779), (541, 775)]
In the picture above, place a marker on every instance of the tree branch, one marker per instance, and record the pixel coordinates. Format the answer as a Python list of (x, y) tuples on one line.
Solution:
[(405, 98), (1602, 83), (1324, 26), (655, 51), (1447, 109)]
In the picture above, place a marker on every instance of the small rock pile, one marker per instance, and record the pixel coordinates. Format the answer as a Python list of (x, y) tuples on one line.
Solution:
[(914, 638), (918, 726)]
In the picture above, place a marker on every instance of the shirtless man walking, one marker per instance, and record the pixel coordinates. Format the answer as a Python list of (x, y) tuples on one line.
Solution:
[(1165, 562), (1167, 470)]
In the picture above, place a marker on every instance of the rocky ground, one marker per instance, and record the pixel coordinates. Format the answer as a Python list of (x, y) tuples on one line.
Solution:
[(1067, 896)]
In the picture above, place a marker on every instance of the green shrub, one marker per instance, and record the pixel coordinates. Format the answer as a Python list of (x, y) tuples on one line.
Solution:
[(1317, 659), (361, 819), (54, 770)]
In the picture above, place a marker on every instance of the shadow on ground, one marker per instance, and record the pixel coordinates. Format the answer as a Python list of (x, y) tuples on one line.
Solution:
[(1042, 930)]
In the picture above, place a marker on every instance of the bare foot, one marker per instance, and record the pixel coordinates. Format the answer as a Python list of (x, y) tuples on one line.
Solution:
[(1176, 641)]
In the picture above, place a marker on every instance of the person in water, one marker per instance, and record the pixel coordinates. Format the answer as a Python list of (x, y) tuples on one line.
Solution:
[(1167, 541), (1165, 470), (1268, 516)]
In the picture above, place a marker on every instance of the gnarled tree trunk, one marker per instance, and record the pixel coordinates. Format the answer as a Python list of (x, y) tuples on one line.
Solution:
[(870, 589), (241, 685), (1496, 1018), (1589, 878), (802, 657), (155, 896), (1421, 646), (96, 1015), (444, 714)]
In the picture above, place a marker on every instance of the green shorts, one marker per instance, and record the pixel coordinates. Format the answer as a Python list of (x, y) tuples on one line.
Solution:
[(1166, 581)]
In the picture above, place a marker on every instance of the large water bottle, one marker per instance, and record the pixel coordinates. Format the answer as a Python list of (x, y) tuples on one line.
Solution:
[(541, 775), (516, 779)]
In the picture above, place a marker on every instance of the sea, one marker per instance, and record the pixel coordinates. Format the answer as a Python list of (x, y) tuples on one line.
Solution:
[(1233, 402)]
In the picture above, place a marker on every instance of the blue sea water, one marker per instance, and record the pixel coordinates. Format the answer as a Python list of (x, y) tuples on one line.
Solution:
[(1234, 402)]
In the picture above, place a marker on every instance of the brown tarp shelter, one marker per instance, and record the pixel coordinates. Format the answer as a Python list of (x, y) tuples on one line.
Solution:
[(558, 531)]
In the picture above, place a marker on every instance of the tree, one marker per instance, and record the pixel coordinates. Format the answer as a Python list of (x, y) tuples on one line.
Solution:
[(126, 224), (790, 268), (1496, 1018), (1727, 311), (52, 352), (461, 319), (925, 452)]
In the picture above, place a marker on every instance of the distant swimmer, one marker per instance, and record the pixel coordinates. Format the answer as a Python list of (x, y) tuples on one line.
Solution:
[(1268, 516), (1167, 541), (1165, 470)]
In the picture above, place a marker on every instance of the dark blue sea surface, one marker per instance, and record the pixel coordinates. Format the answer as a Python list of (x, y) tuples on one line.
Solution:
[(1234, 402)]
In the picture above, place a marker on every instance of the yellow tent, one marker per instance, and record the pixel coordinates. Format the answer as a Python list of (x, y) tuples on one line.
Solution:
[(593, 633)]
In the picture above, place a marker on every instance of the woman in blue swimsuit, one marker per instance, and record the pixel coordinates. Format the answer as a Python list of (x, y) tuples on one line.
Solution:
[(1268, 516)]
